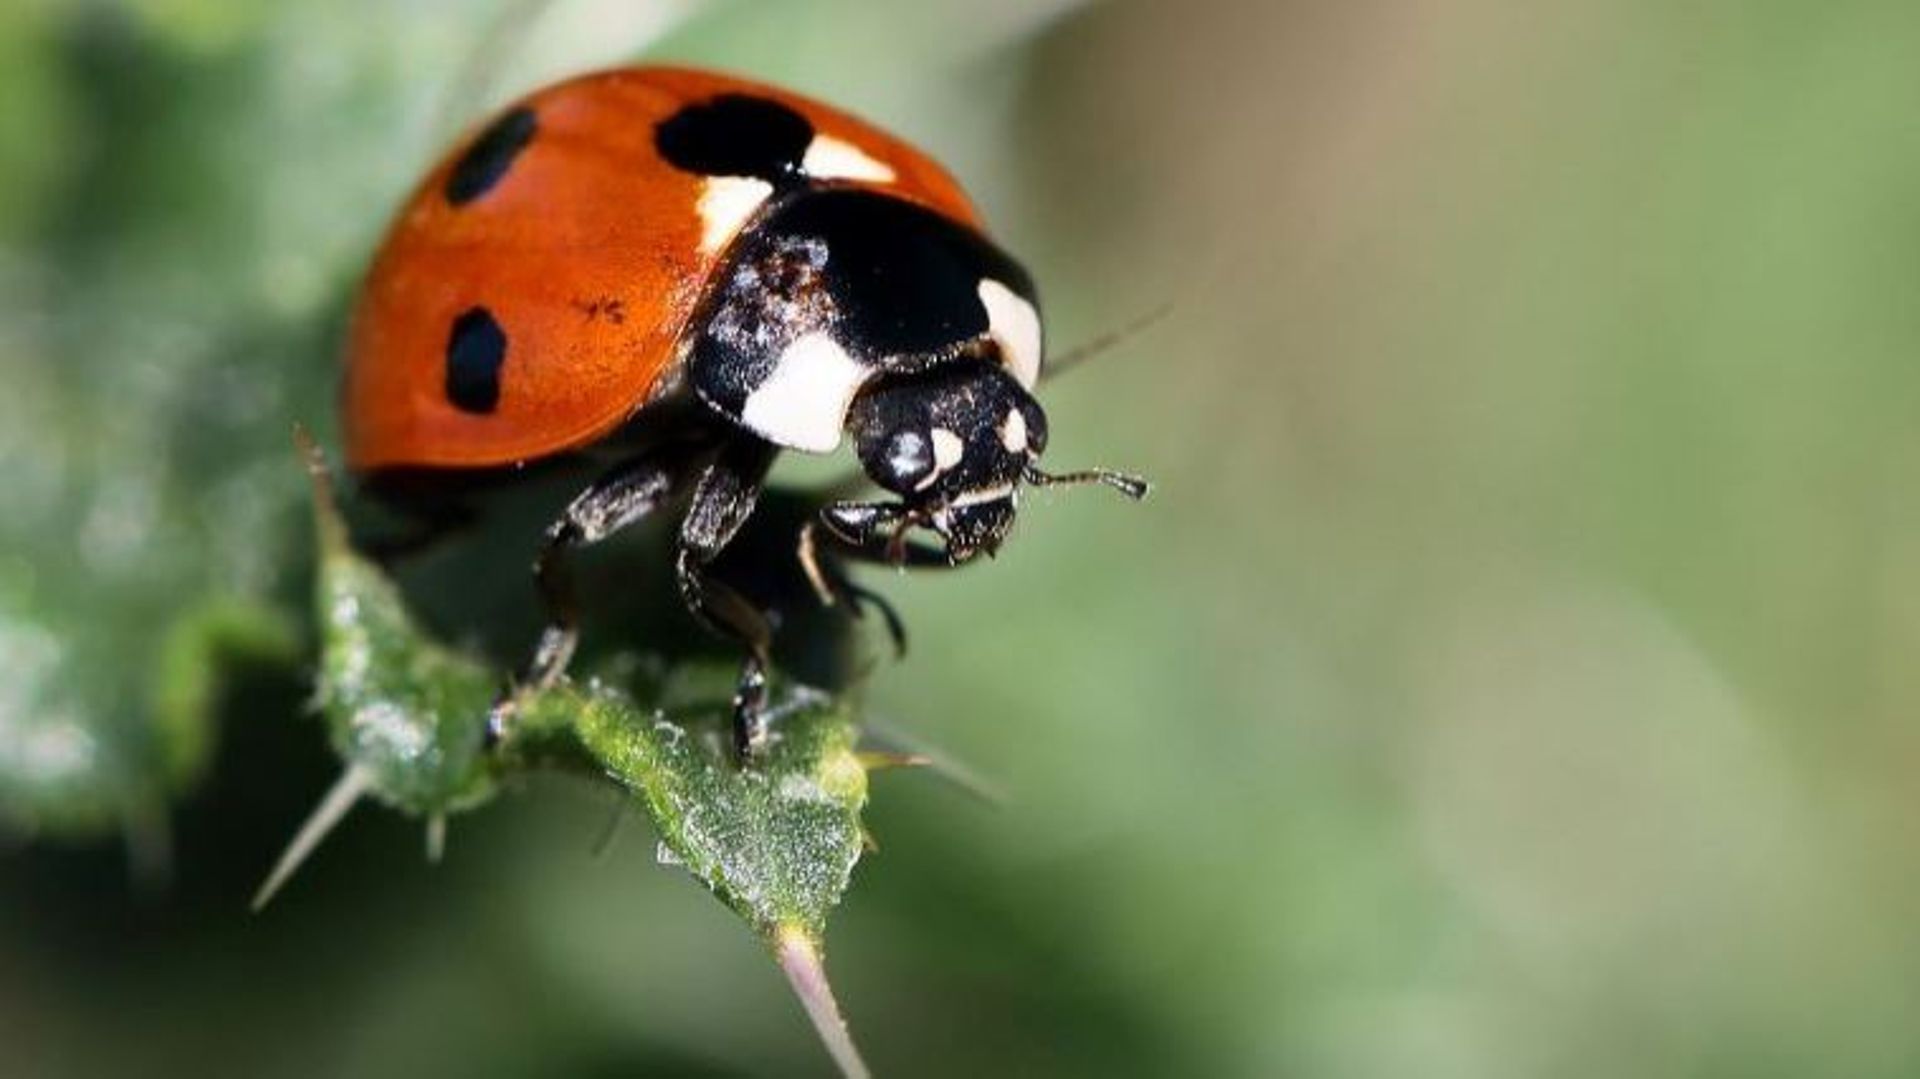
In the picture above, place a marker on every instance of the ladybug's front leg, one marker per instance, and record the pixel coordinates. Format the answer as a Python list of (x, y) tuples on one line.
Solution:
[(834, 588), (877, 532), (721, 504), (865, 532)]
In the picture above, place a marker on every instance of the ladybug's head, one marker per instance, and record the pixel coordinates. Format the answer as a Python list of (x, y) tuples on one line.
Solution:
[(955, 444)]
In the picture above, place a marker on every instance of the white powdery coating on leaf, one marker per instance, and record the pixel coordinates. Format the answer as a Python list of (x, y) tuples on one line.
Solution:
[(772, 841), (345, 610), (800, 787), (386, 728), (352, 656)]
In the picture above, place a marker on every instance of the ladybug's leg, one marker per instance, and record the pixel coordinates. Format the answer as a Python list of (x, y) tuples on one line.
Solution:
[(866, 532), (876, 532), (618, 499), (834, 587), (621, 498), (722, 502)]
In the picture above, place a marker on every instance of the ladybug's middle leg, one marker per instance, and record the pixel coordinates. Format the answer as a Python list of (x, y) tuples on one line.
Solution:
[(722, 502), (617, 500)]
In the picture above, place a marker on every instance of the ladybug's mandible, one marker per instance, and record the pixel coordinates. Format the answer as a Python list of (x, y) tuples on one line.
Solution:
[(686, 273)]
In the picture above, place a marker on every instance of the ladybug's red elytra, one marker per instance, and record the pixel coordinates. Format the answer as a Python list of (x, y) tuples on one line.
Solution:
[(733, 270)]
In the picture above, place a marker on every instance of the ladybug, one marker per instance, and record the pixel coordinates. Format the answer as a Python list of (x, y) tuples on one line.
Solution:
[(684, 273)]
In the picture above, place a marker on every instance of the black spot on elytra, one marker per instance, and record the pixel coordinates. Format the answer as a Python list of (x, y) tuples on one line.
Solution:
[(490, 156), (736, 135), (475, 350)]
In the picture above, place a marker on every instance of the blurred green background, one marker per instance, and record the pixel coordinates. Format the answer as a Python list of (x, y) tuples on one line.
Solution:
[(1514, 674)]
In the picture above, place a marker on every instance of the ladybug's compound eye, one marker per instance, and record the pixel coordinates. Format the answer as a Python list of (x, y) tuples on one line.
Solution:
[(908, 460)]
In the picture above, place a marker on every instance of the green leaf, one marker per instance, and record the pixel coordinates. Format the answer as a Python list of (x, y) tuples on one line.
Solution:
[(143, 434), (775, 839), (64, 774), (402, 709), (406, 714), (194, 654)]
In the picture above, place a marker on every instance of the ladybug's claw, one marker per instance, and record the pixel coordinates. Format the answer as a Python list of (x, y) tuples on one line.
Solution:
[(500, 717), (750, 709)]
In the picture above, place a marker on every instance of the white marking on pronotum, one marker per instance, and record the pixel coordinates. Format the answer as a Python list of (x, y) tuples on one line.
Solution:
[(1013, 322), (829, 158), (1013, 431), (803, 402), (726, 202), (354, 783), (947, 450)]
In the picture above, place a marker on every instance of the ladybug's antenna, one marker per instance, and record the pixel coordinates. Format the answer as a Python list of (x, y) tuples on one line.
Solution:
[(1087, 350), (1132, 486)]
